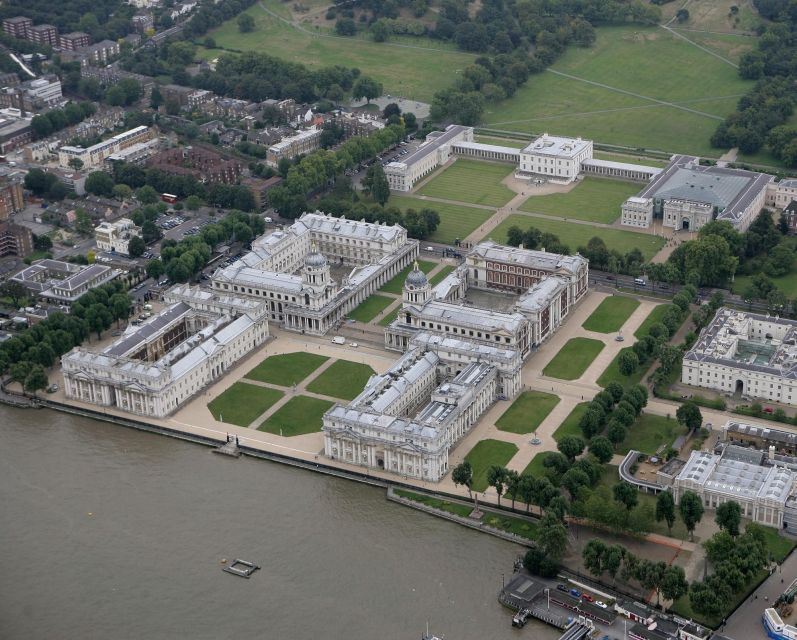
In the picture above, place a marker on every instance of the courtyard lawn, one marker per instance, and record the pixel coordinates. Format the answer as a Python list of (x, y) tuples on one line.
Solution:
[(569, 426), (438, 277), (242, 403), (592, 199), (669, 69), (395, 284), (573, 359), (485, 454), (501, 142), (528, 410), (387, 62), (576, 235), (643, 161), (649, 433), (300, 415), (536, 467), (611, 314), (286, 369), (370, 308), (342, 379), (471, 181), (456, 220), (654, 317), (612, 372), (390, 317)]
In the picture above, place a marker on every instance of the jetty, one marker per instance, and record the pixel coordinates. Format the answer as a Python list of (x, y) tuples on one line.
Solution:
[(229, 448)]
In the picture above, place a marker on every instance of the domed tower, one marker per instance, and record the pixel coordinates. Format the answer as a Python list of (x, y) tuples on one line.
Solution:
[(416, 287), (315, 273)]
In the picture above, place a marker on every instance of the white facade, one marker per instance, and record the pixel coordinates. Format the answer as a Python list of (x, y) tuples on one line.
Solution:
[(290, 269), (93, 157), (115, 237), (555, 158), (637, 212), (48, 89), (745, 353), (153, 369), (434, 152), (63, 283)]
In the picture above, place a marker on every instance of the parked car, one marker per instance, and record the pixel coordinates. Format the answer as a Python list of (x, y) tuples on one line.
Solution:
[(600, 604), (561, 587), (575, 593), (587, 597), (769, 410)]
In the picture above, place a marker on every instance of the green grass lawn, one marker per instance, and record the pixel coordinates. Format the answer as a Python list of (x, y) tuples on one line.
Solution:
[(485, 454), (611, 314), (300, 415), (396, 283), (653, 317), (389, 317), (527, 412), (578, 235), (242, 403), (569, 426), (778, 545), (387, 62), (536, 467), (612, 373), (457, 509), (370, 307), (502, 142), (787, 284), (666, 68), (286, 369), (593, 199), (438, 277), (456, 221), (471, 181), (650, 432), (573, 359), (342, 379), (643, 161)]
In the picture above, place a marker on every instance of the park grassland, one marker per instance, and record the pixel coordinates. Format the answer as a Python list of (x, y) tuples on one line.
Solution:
[(654, 317), (485, 454), (787, 284), (665, 68), (371, 307), (576, 235), (410, 71), (342, 379), (242, 403), (300, 415), (573, 359), (592, 199), (396, 283), (611, 314), (456, 221), (649, 433), (569, 426), (612, 372), (536, 468), (286, 369), (471, 181), (526, 413)]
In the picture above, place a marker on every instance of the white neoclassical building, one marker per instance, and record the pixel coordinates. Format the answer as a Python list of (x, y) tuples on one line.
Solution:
[(555, 158), (291, 269), (747, 354), (153, 369), (115, 237)]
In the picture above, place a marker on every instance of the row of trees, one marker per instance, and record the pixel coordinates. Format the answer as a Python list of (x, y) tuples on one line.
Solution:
[(73, 113)]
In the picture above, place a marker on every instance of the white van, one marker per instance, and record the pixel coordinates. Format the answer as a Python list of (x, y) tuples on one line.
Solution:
[(338, 340), (640, 281)]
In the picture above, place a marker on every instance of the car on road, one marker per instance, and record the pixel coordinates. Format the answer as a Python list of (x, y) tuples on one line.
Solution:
[(354, 345), (587, 597), (561, 587), (429, 248), (600, 604), (575, 593)]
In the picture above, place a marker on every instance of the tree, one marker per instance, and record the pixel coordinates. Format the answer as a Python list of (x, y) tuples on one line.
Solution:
[(665, 509), (463, 474), (682, 15), (592, 555), (627, 362), (552, 536), (688, 414), (626, 493), (376, 183), (496, 476), (573, 480), (75, 163), (136, 247), (616, 390), (527, 490), (36, 379), (122, 192), (345, 27), (154, 269), (691, 510), (156, 98), (367, 88), (729, 517), (100, 183), (246, 23), (83, 224), (192, 202), (612, 559), (120, 306), (14, 290), (705, 599), (391, 109), (616, 432), (571, 447), (146, 195), (601, 447)]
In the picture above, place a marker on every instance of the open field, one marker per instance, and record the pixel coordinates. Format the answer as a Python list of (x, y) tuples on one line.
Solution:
[(286, 369), (342, 379), (611, 314), (573, 359), (715, 16), (649, 433), (578, 235), (593, 199), (242, 403), (485, 454), (527, 412), (387, 62), (395, 284), (299, 415), (653, 317), (665, 68), (569, 426), (456, 221), (370, 308), (612, 373), (471, 181)]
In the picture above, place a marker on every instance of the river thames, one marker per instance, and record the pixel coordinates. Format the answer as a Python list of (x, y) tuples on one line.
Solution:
[(107, 532)]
